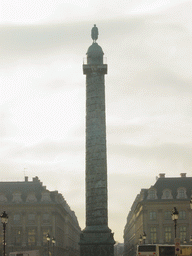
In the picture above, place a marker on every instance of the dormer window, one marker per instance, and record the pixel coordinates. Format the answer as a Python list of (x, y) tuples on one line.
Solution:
[(152, 194), (3, 198), (31, 198), (181, 193), (46, 196), (167, 194), (17, 197)]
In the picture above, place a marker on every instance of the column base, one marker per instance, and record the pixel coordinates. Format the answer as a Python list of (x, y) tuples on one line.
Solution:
[(96, 242)]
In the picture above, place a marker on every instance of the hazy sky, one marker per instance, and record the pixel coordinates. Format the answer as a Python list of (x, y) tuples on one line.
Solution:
[(148, 45)]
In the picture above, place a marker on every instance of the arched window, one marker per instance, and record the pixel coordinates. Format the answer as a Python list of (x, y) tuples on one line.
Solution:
[(181, 193), (46, 196), (3, 198), (152, 194), (17, 197), (31, 198), (167, 194)]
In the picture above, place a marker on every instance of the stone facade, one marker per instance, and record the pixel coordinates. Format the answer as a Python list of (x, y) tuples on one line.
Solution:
[(33, 212), (96, 239), (118, 249), (151, 213)]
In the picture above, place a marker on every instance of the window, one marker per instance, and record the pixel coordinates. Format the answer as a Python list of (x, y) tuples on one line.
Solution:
[(152, 215), (167, 234), (17, 197), (181, 193), (46, 196), (17, 219), (183, 233), (17, 236), (168, 215), (167, 194), (31, 218), (46, 218), (31, 237), (152, 194), (31, 198), (182, 215), (3, 198), (153, 235)]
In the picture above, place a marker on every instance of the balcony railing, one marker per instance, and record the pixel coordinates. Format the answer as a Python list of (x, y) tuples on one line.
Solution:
[(85, 60)]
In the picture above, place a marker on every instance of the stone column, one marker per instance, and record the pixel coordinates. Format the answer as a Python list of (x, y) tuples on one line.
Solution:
[(96, 166), (97, 238)]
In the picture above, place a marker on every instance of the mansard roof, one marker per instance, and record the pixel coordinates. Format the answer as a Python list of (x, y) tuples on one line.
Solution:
[(8, 188), (35, 187), (172, 184)]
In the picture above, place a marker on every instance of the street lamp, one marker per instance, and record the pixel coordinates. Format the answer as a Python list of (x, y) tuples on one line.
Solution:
[(144, 237), (191, 203), (175, 215), (191, 208), (140, 239), (48, 240), (53, 242), (4, 220)]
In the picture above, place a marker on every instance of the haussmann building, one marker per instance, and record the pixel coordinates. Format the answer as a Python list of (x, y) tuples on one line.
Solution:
[(33, 212), (151, 211)]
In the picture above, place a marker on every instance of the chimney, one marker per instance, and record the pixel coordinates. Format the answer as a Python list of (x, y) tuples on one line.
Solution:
[(183, 175), (36, 179), (26, 178), (161, 175)]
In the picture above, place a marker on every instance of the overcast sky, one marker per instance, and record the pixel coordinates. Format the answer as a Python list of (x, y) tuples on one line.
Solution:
[(148, 95)]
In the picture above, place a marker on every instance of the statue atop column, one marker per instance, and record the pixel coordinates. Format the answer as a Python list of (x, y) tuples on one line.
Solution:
[(94, 33)]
